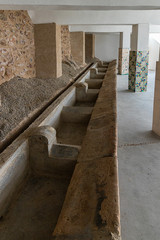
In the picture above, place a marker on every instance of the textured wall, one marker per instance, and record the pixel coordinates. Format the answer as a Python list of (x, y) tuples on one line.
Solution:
[(65, 42), (17, 52), (78, 47), (89, 46), (48, 50)]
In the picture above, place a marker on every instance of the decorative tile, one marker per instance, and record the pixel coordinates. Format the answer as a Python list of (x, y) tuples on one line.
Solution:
[(138, 71), (123, 62)]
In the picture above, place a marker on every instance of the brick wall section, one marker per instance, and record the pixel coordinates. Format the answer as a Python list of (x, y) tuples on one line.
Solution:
[(65, 42), (17, 52)]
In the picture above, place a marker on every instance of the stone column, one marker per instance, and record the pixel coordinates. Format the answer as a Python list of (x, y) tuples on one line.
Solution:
[(65, 42), (123, 63), (89, 46), (78, 47), (156, 109), (48, 50), (138, 59)]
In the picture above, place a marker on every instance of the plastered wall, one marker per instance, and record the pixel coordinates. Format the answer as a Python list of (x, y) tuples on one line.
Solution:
[(153, 52), (78, 47), (17, 52), (89, 46), (106, 46)]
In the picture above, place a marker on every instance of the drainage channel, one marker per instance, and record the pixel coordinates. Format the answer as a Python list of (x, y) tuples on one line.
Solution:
[(34, 115)]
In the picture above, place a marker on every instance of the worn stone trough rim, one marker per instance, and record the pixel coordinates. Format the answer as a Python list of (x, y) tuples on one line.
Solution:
[(70, 224)]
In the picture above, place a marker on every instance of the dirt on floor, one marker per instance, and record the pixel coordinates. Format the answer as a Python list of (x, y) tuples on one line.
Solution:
[(20, 96)]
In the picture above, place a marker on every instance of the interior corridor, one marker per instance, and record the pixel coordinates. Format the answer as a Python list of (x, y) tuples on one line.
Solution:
[(139, 163)]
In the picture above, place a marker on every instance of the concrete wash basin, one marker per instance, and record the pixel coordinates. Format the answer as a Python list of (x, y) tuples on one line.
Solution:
[(36, 169)]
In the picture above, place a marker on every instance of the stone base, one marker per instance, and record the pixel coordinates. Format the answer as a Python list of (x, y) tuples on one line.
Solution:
[(123, 63), (138, 71)]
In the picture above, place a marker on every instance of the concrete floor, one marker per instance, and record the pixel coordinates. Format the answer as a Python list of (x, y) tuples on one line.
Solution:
[(139, 163)]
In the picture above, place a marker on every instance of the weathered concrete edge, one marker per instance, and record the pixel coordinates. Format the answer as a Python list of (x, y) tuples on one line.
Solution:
[(91, 209), (101, 137), (91, 206)]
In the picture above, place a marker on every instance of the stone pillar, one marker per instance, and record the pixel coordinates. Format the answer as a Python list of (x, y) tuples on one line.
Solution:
[(48, 50), (123, 63), (89, 46), (78, 47), (138, 59), (156, 109), (65, 42)]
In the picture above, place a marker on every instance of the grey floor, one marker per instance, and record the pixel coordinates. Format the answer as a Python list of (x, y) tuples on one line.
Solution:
[(139, 163)]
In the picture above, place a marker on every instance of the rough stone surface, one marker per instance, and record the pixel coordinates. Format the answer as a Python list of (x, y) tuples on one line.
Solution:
[(48, 50), (65, 42), (101, 137), (91, 207), (17, 51), (89, 46), (47, 157), (78, 47)]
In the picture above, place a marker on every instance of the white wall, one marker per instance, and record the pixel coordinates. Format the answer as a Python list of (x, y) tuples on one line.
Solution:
[(125, 39), (153, 52), (126, 29), (106, 46), (140, 37), (94, 17)]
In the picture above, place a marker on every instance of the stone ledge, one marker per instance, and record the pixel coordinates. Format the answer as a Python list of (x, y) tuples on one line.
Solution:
[(91, 207), (101, 137)]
